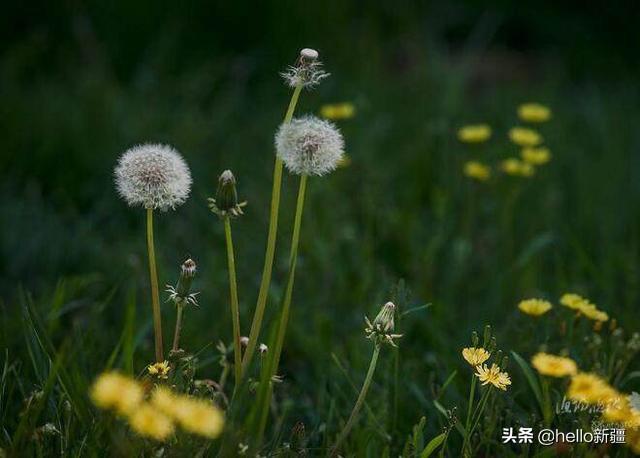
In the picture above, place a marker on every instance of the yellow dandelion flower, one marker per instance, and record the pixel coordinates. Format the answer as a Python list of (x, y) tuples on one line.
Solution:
[(198, 417), (150, 422), (475, 356), (554, 366), (620, 410), (345, 161), (164, 400), (338, 111), (534, 307), (516, 167), (112, 390), (590, 389), (534, 112), (524, 136), (160, 370), (573, 301), (493, 376), (536, 156), (477, 170), (591, 312), (476, 133)]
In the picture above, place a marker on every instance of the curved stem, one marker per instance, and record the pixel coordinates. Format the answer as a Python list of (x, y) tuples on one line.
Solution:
[(258, 315), (176, 334), (155, 296), (235, 309), (359, 401)]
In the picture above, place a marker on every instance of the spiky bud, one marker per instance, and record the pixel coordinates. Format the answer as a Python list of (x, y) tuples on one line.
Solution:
[(381, 330), (181, 293), (226, 202), (309, 146), (153, 176), (307, 72)]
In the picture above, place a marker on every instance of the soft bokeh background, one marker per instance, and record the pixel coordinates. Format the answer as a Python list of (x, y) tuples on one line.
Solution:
[(82, 81)]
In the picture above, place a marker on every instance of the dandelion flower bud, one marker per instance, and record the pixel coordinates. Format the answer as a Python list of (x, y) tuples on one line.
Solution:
[(181, 294), (381, 330), (153, 176), (226, 201), (244, 341), (307, 72), (309, 146), (263, 349)]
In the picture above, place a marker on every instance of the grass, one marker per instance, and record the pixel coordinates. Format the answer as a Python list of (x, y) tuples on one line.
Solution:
[(401, 223)]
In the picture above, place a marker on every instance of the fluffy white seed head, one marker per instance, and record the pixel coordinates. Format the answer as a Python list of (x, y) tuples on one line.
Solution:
[(309, 146), (307, 72), (153, 176)]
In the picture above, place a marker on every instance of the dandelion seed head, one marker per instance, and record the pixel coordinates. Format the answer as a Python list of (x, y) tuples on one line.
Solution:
[(307, 72), (153, 176), (309, 146), (309, 54)]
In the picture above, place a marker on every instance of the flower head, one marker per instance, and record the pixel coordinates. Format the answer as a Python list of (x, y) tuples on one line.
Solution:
[(534, 307), (309, 146), (584, 307), (154, 176), (475, 356), (226, 202), (150, 422), (516, 167), (381, 330), (198, 416), (536, 156), (160, 370), (524, 136), (590, 389), (554, 366), (476, 133), (534, 112), (477, 170), (493, 376), (112, 390), (337, 111), (307, 72)]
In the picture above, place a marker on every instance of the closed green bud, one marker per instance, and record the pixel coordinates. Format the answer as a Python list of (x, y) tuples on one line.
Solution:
[(226, 202)]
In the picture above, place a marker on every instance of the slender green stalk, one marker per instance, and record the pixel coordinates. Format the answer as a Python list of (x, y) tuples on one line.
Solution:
[(547, 413), (155, 295), (176, 334), (359, 401), (477, 415), (235, 309), (472, 393), (256, 324)]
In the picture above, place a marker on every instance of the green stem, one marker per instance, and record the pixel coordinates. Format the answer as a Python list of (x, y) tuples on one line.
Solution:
[(258, 315), (547, 412), (176, 334), (359, 401), (235, 309), (155, 296), (472, 393), (478, 412)]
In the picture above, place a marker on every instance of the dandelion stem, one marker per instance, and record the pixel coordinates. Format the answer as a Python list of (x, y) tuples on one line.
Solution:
[(176, 334), (235, 310), (256, 324), (472, 393), (155, 296), (359, 401)]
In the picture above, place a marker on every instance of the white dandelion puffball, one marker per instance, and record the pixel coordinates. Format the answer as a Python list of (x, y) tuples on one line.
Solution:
[(154, 176), (309, 146)]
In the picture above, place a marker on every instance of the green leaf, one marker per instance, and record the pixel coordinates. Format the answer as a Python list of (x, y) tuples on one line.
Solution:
[(433, 445), (531, 378)]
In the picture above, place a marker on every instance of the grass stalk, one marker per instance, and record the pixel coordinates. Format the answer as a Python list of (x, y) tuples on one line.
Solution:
[(472, 393), (265, 282), (178, 330), (155, 295), (235, 309)]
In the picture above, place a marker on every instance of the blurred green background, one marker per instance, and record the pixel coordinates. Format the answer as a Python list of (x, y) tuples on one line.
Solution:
[(80, 82)]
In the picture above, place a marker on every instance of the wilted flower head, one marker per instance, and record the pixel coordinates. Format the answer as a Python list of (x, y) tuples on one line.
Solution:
[(226, 202), (153, 176), (309, 146), (381, 330), (181, 294), (307, 72)]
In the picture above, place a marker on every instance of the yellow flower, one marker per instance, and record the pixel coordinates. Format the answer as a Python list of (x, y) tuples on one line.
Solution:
[(591, 312), (476, 133), (150, 422), (164, 400), (524, 136), (590, 389), (536, 156), (516, 167), (584, 307), (534, 307), (571, 300), (160, 370), (198, 417), (494, 376), (115, 391), (477, 170), (534, 112), (555, 366), (338, 111), (345, 161), (475, 356)]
